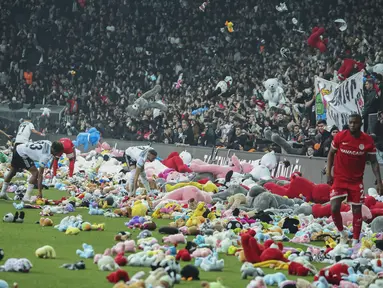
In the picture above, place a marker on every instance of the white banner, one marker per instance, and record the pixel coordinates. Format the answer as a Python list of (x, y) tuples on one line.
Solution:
[(346, 99), (323, 88)]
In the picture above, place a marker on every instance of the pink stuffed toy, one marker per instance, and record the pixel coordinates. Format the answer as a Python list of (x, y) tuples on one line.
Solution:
[(347, 216), (174, 239), (201, 252), (219, 171), (315, 40), (184, 194), (130, 246), (175, 162), (175, 177), (118, 248), (165, 173), (97, 257)]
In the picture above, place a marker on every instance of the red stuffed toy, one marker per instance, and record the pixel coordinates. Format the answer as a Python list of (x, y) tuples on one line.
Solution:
[(255, 252), (117, 276), (348, 66), (300, 186), (298, 269), (320, 211), (175, 162), (333, 274), (183, 255), (315, 39), (121, 260), (375, 207)]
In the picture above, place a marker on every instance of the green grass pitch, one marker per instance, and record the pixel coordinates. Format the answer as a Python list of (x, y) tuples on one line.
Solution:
[(21, 241)]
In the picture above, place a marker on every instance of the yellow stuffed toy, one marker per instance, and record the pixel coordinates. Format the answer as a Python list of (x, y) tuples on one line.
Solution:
[(46, 252), (72, 231), (210, 187), (195, 221), (229, 25), (139, 209), (156, 214), (199, 210)]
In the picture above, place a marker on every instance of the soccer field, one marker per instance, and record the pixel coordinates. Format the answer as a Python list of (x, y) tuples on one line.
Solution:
[(21, 241)]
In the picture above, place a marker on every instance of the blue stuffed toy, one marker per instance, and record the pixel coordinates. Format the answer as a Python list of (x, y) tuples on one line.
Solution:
[(91, 137), (88, 251)]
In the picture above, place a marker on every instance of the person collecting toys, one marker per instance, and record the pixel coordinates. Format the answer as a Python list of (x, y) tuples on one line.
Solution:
[(70, 152)]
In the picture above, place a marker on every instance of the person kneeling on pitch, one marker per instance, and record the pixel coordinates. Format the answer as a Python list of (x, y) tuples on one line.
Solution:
[(24, 157)]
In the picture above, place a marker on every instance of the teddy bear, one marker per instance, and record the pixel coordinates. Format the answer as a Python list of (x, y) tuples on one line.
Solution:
[(274, 95), (142, 103), (316, 39), (46, 252)]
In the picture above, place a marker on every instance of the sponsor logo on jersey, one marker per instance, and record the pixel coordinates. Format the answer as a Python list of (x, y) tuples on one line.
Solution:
[(349, 152)]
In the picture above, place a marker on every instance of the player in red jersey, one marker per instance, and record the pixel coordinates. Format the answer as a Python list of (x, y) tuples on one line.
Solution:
[(70, 152), (350, 150)]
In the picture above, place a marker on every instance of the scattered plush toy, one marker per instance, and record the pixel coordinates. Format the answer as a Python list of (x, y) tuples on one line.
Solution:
[(248, 270), (16, 265), (45, 222), (1, 254), (46, 252), (190, 272), (106, 263), (76, 266), (217, 284), (17, 218), (122, 236), (119, 275), (88, 251)]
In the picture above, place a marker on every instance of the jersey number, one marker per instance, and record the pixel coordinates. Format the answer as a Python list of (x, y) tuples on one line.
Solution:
[(39, 146), (21, 129)]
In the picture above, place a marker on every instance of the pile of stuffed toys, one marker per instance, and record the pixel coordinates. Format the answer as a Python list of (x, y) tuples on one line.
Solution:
[(239, 210)]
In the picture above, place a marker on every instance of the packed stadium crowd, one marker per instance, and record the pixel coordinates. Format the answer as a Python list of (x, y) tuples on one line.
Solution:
[(98, 56)]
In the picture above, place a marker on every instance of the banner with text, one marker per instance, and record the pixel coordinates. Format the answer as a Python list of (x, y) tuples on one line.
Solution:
[(322, 89), (346, 99)]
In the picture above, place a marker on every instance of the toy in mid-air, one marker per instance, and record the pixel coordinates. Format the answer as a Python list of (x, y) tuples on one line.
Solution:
[(142, 103)]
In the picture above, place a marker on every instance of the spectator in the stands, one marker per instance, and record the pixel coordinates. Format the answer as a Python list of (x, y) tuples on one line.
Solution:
[(325, 146), (371, 103), (321, 137), (187, 133)]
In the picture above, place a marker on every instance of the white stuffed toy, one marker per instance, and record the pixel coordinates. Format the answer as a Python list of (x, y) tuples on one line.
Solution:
[(378, 68), (45, 111), (16, 265), (222, 87), (106, 263), (274, 94)]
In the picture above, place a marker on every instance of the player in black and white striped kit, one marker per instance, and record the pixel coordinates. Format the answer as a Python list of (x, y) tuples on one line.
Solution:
[(24, 157), (24, 132)]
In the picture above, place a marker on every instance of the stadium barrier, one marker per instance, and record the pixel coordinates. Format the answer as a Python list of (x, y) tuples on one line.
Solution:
[(311, 167)]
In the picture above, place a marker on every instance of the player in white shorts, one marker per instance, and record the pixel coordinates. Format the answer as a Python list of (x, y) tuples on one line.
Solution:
[(24, 132), (147, 155), (24, 157)]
